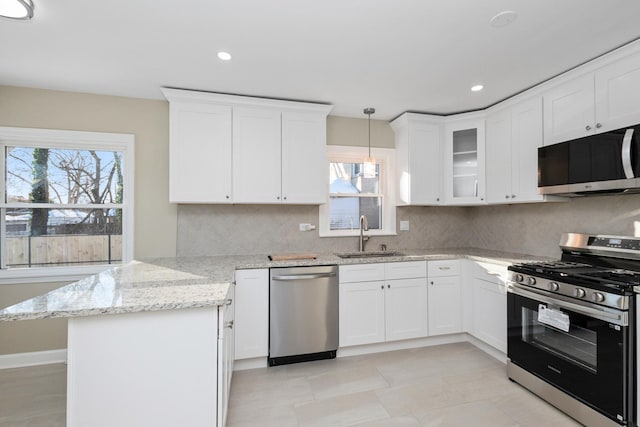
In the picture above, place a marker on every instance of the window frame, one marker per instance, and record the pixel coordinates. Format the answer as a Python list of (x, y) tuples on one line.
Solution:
[(76, 140), (385, 157)]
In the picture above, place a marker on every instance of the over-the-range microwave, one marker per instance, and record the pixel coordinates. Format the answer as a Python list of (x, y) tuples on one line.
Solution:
[(607, 162)]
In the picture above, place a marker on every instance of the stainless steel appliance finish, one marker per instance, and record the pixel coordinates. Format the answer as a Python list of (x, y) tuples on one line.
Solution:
[(303, 314), (572, 407), (607, 162), (571, 328)]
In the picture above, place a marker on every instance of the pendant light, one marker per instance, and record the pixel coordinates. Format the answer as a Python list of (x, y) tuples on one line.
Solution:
[(369, 162), (16, 9)]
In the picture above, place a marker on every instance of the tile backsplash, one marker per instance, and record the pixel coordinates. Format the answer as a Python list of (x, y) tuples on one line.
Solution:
[(527, 228), (265, 229)]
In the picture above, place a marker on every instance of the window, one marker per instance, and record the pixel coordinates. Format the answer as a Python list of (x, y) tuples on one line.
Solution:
[(66, 203), (351, 194)]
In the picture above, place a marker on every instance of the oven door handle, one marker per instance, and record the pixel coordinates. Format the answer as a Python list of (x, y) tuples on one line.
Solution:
[(617, 318)]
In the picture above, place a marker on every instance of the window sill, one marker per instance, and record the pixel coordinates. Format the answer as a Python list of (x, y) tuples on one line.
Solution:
[(15, 276), (356, 233)]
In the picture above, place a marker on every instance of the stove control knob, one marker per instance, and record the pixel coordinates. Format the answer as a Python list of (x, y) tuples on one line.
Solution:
[(531, 281), (519, 278), (580, 293), (598, 297), (553, 286)]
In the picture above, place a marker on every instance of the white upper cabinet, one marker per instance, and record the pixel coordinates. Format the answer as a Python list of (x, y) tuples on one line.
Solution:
[(256, 155), (464, 179), (513, 137), (418, 139), (499, 157), (595, 102), (304, 158), (617, 94), (200, 153), (236, 149), (569, 111)]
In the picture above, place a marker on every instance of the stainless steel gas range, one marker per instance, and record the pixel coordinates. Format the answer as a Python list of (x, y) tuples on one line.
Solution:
[(572, 325)]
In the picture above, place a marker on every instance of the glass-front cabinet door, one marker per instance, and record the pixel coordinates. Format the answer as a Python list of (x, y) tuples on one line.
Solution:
[(464, 162)]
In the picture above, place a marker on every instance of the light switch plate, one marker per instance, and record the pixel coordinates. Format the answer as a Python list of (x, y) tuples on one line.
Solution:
[(404, 225)]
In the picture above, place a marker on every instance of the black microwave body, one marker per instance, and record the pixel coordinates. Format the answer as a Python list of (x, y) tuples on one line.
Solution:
[(606, 162)]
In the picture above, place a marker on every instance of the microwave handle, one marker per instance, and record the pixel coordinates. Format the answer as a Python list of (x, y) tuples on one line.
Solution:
[(626, 153)]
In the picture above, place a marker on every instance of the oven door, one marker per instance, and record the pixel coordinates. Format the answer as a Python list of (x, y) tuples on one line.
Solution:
[(582, 350)]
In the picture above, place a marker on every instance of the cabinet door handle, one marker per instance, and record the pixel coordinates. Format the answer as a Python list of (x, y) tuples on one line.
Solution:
[(388, 286), (598, 125), (587, 127), (230, 324), (432, 282), (382, 287), (513, 196), (229, 301), (506, 196)]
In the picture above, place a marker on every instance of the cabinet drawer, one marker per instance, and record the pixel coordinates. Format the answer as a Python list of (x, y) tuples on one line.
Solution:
[(494, 273), (450, 267), (405, 270), (361, 273)]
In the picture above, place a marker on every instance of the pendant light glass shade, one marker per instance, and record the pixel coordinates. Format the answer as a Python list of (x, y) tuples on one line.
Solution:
[(16, 9), (369, 161)]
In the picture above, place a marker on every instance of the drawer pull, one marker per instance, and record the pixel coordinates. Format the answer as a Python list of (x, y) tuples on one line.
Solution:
[(444, 268)]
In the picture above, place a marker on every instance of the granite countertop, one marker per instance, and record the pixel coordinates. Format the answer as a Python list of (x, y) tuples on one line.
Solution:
[(178, 283)]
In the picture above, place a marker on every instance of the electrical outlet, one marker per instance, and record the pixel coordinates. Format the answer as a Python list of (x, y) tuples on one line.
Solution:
[(404, 225)]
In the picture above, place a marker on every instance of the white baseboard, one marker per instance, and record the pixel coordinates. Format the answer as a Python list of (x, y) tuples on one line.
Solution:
[(20, 360), (400, 345), (243, 364), (491, 351)]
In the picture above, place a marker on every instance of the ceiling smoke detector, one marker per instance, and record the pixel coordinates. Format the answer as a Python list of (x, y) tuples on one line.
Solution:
[(503, 19)]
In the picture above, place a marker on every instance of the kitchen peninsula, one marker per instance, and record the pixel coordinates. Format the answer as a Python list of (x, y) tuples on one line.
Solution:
[(152, 342)]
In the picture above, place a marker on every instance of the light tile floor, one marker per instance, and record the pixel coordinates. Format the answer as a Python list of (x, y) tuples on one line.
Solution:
[(449, 385)]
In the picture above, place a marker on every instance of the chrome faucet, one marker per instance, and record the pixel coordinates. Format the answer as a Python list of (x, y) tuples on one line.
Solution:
[(364, 226)]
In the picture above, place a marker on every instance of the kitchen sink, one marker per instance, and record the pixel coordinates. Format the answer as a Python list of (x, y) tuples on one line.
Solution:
[(377, 254)]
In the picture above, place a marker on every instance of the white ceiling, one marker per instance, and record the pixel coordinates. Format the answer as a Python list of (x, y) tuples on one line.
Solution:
[(394, 55)]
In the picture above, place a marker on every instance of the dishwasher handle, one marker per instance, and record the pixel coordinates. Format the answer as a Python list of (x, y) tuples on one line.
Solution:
[(303, 276)]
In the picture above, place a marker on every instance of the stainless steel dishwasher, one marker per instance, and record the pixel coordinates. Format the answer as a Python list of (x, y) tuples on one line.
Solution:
[(303, 314)]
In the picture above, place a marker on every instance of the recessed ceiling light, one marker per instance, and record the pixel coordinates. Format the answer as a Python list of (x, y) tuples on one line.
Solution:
[(503, 19), (16, 9), (225, 56), (477, 88)]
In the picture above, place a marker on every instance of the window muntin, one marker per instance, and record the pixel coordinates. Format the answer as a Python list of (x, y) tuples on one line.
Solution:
[(67, 202)]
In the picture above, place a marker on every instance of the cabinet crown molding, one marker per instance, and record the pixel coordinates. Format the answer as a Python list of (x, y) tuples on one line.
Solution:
[(184, 95)]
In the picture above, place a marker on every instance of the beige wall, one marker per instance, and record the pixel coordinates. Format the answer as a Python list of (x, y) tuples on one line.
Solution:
[(350, 131), (155, 217)]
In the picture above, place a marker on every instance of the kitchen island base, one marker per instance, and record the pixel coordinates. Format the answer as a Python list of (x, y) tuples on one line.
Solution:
[(143, 369)]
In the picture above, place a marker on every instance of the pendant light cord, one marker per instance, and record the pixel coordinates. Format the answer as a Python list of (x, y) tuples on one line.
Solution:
[(369, 111)]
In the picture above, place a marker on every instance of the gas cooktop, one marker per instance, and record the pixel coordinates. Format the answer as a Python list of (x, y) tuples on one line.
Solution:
[(614, 280)]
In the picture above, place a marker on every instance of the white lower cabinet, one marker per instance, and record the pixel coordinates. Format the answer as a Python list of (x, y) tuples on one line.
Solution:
[(445, 302), (374, 308), (225, 357), (489, 304), (252, 313), (362, 319), (405, 309)]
